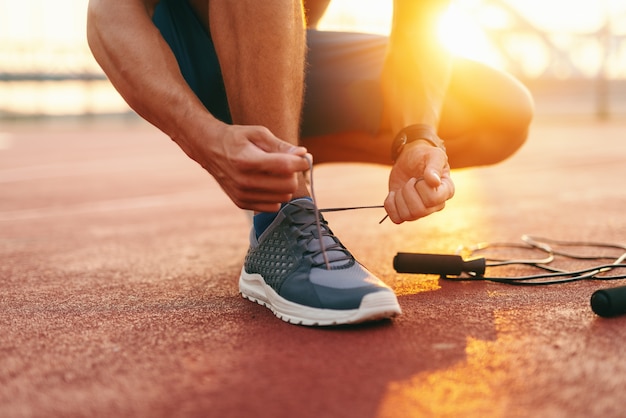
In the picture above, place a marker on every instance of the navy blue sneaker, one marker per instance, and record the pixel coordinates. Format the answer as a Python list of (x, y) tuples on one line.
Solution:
[(286, 270)]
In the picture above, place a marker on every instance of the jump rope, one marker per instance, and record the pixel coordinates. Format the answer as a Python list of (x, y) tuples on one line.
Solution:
[(467, 264)]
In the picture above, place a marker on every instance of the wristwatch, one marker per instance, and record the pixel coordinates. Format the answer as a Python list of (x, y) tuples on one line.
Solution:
[(414, 133)]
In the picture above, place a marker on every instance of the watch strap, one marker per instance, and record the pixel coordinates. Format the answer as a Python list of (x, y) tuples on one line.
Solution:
[(414, 133)]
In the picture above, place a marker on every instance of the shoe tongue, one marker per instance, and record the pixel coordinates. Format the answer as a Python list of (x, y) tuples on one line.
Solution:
[(336, 254)]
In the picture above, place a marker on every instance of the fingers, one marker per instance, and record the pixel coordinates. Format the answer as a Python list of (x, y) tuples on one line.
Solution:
[(419, 183), (264, 173), (417, 199), (268, 142), (280, 164), (260, 202), (276, 156), (261, 192)]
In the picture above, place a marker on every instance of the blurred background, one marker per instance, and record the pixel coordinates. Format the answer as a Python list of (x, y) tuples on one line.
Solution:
[(572, 55)]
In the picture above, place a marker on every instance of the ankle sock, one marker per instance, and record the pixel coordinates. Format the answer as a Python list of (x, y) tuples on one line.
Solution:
[(262, 220)]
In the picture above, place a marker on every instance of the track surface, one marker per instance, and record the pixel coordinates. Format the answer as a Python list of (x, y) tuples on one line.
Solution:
[(119, 261)]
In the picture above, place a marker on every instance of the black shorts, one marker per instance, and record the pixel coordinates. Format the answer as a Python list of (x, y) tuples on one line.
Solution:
[(342, 77)]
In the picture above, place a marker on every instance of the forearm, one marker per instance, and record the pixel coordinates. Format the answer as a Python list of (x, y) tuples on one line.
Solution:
[(141, 66), (314, 11), (417, 68), (416, 18)]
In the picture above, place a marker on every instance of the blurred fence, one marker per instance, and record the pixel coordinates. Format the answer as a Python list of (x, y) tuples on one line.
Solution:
[(46, 67), (583, 63)]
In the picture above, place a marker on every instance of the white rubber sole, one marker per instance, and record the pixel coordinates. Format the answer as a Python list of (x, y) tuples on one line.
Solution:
[(374, 306)]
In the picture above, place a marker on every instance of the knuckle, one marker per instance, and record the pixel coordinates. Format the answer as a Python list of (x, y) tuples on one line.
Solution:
[(244, 183), (241, 164), (263, 130)]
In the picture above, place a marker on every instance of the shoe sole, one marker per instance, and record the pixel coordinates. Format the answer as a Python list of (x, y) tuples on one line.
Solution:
[(374, 306)]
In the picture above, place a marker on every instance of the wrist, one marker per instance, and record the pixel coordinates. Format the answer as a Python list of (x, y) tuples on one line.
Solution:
[(198, 136), (412, 133)]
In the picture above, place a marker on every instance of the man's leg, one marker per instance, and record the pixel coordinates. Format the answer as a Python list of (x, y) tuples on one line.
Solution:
[(484, 119), (261, 49), (295, 265), (486, 115)]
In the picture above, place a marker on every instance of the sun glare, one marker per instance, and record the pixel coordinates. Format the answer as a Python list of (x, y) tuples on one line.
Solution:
[(530, 29), (464, 37), (458, 30)]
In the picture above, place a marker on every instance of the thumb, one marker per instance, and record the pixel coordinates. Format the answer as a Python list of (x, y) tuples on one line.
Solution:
[(268, 142), (432, 177), (434, 169)]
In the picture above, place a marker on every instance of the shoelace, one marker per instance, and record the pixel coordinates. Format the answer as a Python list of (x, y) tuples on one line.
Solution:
[(309, 230), (318, 223)]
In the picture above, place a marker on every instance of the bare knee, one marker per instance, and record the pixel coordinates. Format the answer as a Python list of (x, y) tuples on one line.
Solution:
[(492, 140), (493, 133), (513, 131)]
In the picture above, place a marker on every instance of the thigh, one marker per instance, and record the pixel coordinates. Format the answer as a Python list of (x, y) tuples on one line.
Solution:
[(342, 79), (343, 83), (344, 93)]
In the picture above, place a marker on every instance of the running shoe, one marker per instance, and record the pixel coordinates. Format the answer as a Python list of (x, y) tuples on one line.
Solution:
[(309, 278)]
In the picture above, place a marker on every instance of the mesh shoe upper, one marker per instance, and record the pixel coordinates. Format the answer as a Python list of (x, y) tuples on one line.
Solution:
[(289, 257)]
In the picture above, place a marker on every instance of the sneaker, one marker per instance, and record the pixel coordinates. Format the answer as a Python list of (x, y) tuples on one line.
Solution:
[(286, 271)]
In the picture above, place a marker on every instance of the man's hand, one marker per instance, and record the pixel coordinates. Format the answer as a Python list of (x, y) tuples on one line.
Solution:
[(257, 170), (419, 183)]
